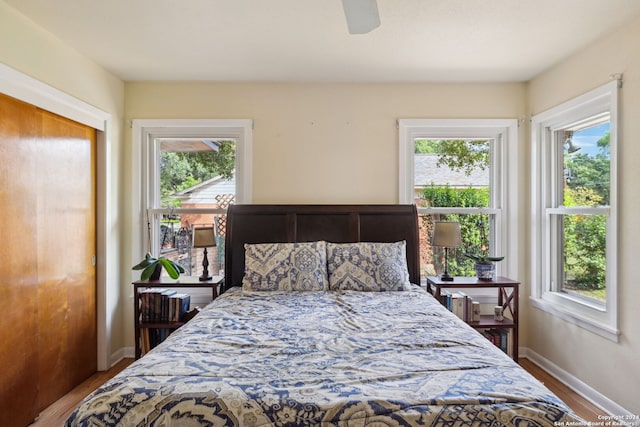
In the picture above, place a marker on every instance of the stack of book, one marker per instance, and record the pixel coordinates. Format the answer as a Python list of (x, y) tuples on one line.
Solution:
[(152, 337), (159, 305), (499, 337), (462, 305)]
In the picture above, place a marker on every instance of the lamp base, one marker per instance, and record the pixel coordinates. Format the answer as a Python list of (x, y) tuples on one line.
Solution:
[(446, 277), (205, 267)]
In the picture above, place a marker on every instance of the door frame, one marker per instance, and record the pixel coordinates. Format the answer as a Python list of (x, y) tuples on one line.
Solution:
[(27, 89)]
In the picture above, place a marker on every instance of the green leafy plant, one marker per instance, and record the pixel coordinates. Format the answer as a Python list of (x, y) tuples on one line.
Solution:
[(483, 258), (149, 265)]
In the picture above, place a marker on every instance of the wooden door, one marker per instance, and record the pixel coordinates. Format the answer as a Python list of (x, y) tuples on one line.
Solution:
[(18, 281), (47, 276)]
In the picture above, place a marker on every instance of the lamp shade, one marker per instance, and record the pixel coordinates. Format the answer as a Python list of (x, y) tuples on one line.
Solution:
[(446, 234), (204, 237)]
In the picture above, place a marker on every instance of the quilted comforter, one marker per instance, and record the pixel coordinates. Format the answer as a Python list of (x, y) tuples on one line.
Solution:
[(323, 358)]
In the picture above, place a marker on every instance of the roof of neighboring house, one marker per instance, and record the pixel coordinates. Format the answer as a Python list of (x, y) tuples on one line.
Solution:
[(427, 172), (206, 191)]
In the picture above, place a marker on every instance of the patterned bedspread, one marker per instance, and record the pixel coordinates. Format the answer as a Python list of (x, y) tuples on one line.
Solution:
[(323, 358)]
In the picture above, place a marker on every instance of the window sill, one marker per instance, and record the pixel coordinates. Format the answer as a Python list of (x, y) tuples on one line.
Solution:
[(582, 320)]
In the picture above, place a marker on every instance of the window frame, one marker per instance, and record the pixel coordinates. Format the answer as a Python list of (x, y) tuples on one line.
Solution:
[(597, 318), (146, 173), (504, 199)]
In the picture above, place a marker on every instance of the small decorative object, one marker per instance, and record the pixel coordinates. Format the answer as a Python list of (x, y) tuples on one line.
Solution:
[(497, 313), (571, 147), (446, 234), (152, 267), (204, 237), (485, 265)]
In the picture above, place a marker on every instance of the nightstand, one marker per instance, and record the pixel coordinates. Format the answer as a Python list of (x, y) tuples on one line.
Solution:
[(165, 325), (508, 298)]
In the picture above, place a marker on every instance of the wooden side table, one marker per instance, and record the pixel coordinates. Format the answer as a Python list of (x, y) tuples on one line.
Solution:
[(508, 297), (181, 282)]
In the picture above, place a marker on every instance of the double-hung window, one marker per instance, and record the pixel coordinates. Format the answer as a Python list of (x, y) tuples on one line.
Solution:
[(574, 210), (191, 171), (464, 171)]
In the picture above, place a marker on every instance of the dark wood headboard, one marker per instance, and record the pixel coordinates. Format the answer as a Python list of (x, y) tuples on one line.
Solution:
[(307, 223)]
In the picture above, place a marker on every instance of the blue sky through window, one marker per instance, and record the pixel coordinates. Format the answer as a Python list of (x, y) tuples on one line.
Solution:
[(587, 139)]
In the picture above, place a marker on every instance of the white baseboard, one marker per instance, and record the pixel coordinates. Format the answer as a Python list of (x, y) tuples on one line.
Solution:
[(125, 352), (129, 352), (583, 389)]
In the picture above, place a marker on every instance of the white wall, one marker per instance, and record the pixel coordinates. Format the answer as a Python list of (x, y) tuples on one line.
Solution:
[(610, 368), (323, 142)]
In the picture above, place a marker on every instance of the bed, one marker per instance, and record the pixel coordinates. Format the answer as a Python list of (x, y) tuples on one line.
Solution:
[(287, 344)]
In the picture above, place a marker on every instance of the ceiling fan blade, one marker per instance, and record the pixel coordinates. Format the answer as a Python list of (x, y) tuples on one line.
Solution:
[(362, 15)]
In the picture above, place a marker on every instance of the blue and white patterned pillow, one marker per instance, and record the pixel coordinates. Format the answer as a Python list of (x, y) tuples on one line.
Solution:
[(368, 266), (285, 267)]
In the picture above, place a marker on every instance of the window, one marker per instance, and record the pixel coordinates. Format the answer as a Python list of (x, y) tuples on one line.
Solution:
[(462, 170), (191, 171), (574, 210)]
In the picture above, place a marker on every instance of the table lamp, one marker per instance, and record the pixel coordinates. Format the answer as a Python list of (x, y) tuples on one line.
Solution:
[(446, 234), (204, 237)]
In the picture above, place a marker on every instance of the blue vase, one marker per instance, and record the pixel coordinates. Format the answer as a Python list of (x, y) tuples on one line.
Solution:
[(485, 271)]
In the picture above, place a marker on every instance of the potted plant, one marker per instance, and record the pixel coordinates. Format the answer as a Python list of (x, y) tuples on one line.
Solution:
[(485, 265), (152, 267)]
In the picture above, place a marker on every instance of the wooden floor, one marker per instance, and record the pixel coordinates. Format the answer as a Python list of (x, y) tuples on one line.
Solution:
[(580, 406), (56, 414)]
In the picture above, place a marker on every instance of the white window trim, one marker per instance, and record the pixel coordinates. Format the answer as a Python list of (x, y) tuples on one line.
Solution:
[(145, 131), (592, 317), (505, 132)]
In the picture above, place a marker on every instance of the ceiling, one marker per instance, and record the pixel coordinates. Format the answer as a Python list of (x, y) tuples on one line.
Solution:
[(308, 40)]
